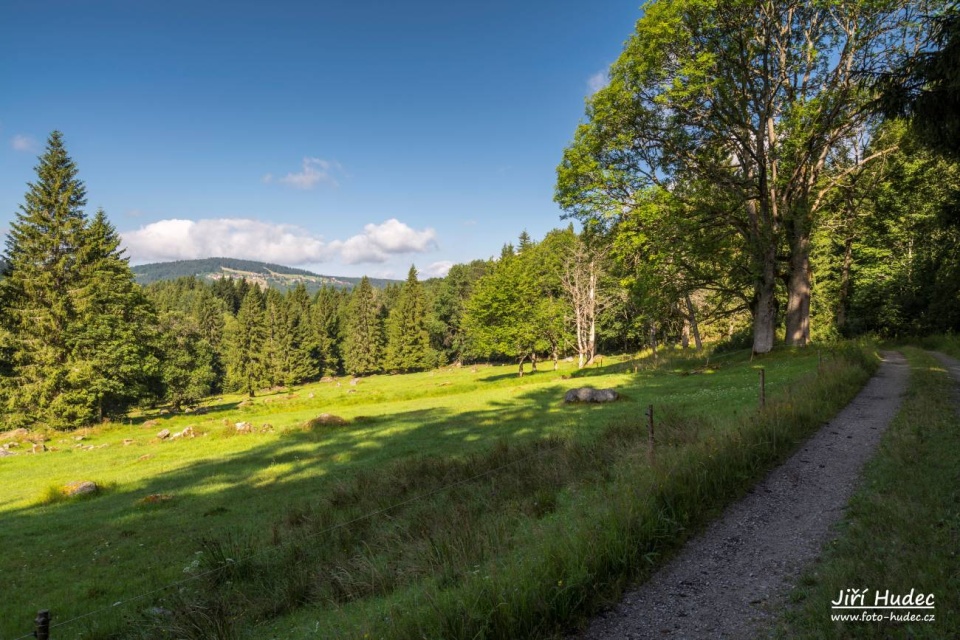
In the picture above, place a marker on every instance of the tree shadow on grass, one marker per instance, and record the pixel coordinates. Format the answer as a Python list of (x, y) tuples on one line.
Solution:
[(143, 544)]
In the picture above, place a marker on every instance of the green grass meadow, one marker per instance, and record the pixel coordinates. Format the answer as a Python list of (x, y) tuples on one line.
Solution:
[(458, 503)]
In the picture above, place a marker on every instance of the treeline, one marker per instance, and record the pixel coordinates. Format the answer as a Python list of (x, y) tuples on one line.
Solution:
[(80, 341)]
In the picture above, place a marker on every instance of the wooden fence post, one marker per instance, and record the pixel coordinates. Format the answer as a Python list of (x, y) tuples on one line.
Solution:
[(650, 440), (42, 623), (763, 388)]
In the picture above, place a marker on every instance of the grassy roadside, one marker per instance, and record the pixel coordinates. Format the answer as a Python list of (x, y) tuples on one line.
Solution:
[(902, 530), (598, 535)]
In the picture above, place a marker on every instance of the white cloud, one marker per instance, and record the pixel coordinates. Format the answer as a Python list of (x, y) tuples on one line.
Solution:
[(437, 269), (314, 171), (22, 142), (175, 239), (379, 241), (224, 237), (598, 81)]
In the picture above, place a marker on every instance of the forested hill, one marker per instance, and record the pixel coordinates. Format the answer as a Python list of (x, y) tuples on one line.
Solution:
[(272, 275)]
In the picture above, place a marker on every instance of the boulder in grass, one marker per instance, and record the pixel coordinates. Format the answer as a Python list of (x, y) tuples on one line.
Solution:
[(326, 420), (163, 435), (589, 394), (244, 427), (81, 488)]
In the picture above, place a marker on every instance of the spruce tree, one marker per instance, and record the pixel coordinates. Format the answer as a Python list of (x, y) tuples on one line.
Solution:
[(301, 363), (189, 361), (363, 346), (113, 340), (36, 297), (327, 311), (245, 340), (408, 343)]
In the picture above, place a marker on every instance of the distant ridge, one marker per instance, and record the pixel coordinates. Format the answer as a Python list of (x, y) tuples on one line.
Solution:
[(263, 273)]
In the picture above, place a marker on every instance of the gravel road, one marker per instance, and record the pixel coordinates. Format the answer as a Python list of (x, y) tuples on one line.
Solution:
[(725, 581)]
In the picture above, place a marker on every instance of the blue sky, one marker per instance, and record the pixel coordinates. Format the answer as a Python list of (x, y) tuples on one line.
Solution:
[(345, 137)]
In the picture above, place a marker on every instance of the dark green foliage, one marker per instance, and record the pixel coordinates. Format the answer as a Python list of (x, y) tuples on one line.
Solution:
[(77, 330), (890, 264), (408, 343), (287, 348), (113, 342), (926, 87), (363, 343), (245, 341), (327, 311), (190, 362)]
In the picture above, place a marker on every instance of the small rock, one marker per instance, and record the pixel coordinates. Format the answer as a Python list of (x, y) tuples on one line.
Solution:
[(354, 382), (244, 427), (163, 435), (589, 394), (128, 441), (5, 452), (15, 433), (38, 447), (310, 395), (80, 488), (188, 432)]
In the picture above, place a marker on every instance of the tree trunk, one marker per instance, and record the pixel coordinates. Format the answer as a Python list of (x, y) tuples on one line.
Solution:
[(694, 326), (522, 358), (765, 313), (798, 294), (556, 357), (685, 334), (533, 362)]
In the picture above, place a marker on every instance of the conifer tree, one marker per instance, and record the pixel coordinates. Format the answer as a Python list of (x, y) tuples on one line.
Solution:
[(189, 364), (36, 301), (327, 311), (113, 339), (245, 344), (363, 346), (408, 343), (301, 363)]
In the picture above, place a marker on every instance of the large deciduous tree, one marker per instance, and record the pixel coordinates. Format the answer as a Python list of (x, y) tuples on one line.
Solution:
[(734, 109)]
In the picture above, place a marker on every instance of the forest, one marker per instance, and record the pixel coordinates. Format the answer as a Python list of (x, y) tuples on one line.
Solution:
[(727, 184)]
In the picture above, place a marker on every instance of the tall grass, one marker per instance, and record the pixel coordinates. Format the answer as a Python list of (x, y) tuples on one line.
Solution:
[(515, 541)]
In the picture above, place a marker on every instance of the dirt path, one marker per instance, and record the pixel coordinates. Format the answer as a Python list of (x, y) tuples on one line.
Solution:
[(724, 581)]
